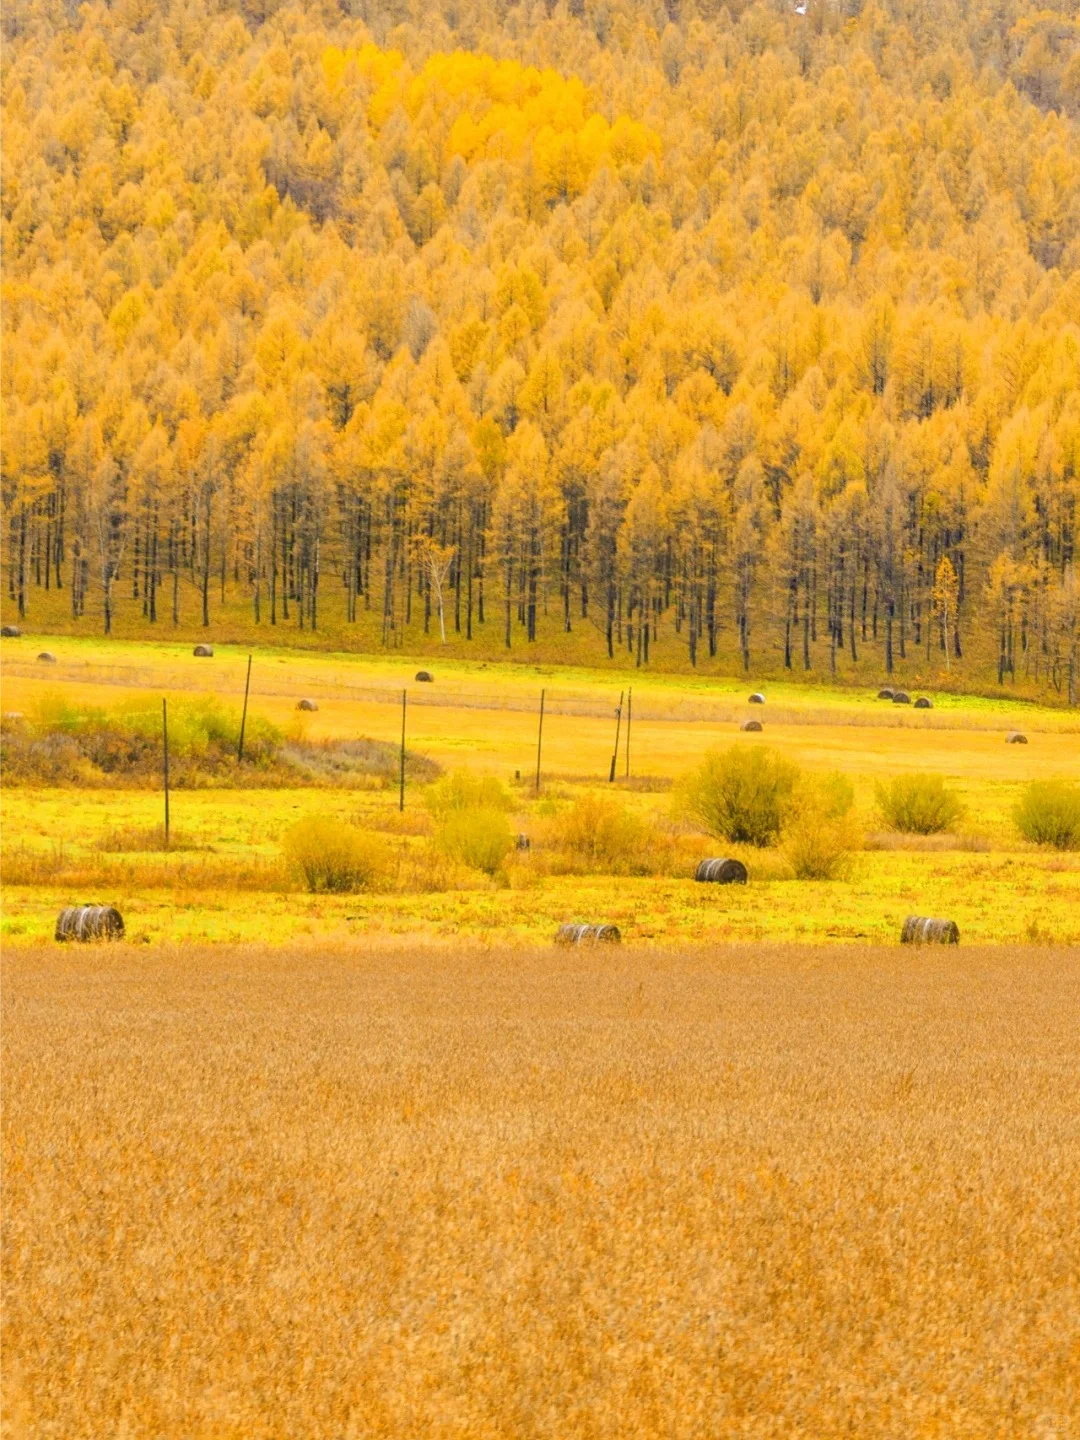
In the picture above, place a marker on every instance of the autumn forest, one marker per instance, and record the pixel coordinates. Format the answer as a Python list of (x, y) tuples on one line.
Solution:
[(729, 336)]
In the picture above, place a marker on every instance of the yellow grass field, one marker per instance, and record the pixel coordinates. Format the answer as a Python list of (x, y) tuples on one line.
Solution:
[(445, 1191), (484, 718)]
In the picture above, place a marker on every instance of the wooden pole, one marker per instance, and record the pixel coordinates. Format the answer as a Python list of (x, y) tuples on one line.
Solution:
[(165, 742), (629, 713), (615, 752), (243, 715), (401, 785), (539, 740)]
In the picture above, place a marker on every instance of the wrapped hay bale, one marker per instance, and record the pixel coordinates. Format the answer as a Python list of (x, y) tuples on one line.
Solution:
[(425, 677), (757, 698), (923, 930), (721, 872), (90, 922), (306, 705), (901, 697), (587, 935), (886, 693), (203, 652), (922, 703), (1014, 737), (750, 725)]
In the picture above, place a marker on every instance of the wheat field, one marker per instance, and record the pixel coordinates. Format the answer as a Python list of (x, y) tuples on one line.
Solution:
[(450, 1191)]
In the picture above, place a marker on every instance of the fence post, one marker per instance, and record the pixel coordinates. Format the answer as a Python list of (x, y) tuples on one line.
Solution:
[(165, 741), (243, 715), (401, 787), (539, 740)]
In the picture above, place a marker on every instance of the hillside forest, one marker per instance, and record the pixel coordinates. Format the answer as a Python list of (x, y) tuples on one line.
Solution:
[(730, 336)]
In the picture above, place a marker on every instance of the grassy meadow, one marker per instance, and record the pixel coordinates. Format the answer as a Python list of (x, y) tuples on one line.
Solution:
[(442, 1190), (226, 874)]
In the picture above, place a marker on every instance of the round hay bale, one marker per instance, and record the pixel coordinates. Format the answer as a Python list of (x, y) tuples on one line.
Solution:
[(522, 842), (10, 632), (48, 657), (750, 725), (425, 677), (1015, 737), (587, 935), (12, 717), (924, 930), (306, 705), (203, 652), (922, 703), (901, 697), (886, 693), (757, 698), (721, 872), (89, 922)]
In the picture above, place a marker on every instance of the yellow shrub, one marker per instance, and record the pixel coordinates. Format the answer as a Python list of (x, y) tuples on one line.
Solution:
[(336, 857)]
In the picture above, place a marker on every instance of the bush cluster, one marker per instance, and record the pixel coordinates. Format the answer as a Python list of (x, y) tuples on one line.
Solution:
[(918, 804), (1048, 813), (336, 857)]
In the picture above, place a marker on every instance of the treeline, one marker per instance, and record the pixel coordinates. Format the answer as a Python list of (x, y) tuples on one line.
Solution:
[(752, 329)]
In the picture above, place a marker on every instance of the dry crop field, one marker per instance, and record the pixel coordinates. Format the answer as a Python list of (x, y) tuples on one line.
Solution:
[(448, 1191)]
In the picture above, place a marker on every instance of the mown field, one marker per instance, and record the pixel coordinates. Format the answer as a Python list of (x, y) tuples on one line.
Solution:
[(442, 1190), (226, 876)]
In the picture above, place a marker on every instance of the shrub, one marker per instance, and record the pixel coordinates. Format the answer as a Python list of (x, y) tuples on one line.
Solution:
[(336, 857), (818, 835), (918, 804), (1048, 813), (602, 836), (741, 794), (464, 791), (479, 838)]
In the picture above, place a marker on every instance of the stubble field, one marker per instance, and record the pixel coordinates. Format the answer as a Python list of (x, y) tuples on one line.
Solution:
[(449, 1191)]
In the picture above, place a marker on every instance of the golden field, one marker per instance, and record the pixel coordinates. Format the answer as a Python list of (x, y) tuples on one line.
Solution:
[(441, 1190)]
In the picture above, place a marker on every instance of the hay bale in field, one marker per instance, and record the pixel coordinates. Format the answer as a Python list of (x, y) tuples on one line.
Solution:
[(750, 725), (522, 842), (757, 698), (1015, 737), (587, 935), (306, 705), (922, 703), (923, 930), (203, 652), (48, 657), (721, 872), (10, 632), (425, 677), (12, 717), (886, 693), (90, 922), (901, 697)]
